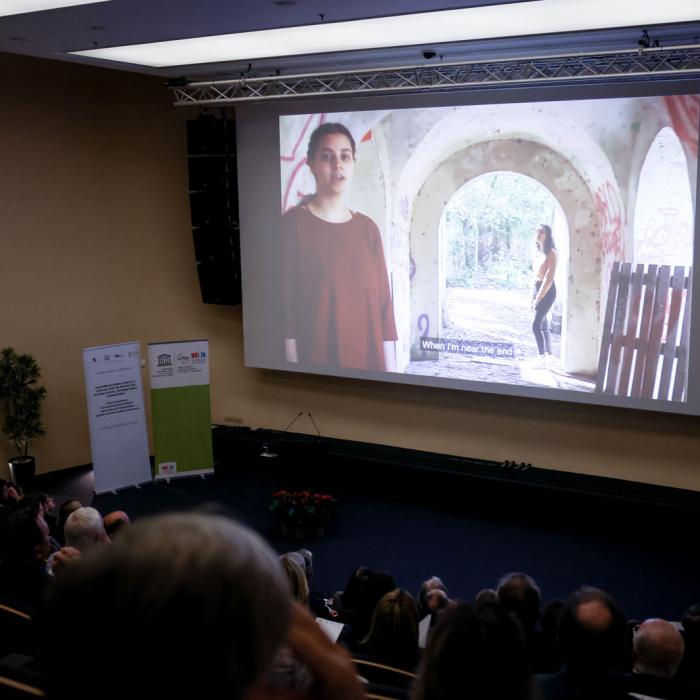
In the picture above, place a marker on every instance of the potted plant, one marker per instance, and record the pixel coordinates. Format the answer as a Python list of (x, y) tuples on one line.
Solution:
[(303, 514), (22, 398)]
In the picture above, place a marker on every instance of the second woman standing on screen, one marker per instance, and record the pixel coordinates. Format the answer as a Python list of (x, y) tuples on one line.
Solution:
[(544, 292)]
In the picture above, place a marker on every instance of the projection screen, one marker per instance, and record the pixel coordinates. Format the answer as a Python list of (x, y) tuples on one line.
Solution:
[(525, 242)]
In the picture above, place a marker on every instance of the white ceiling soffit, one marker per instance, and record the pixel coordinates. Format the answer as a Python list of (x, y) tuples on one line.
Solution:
[(56, 33), (447, 26)]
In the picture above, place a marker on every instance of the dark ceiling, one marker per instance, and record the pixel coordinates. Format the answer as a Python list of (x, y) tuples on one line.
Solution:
[(51, 34)]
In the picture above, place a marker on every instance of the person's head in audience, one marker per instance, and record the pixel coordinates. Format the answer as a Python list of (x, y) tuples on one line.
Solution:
[(303, 558), (64, 510), (393, 632), (362, 593), (298, 585), (308, 565), (46, 503), (115, 522), (657, 649), (691, 624), (519, 595), (184, 606), (85, 530), (9, 495), (476, 653), (24, 538), (591, 635), (486, 595), (551, 614), (434, 583), (436, 600)]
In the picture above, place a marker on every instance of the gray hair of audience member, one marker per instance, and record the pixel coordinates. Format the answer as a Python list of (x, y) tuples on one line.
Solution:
[(474, 652), (298, 584), (657, 648), (520, 595), (303, 558), (184, 606), (434, 583), (85, 530)]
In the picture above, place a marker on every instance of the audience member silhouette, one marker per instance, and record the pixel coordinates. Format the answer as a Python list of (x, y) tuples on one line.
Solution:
[(65, 509), (520, 596), (476, 653), (184, 606), (357, 602), (298, 585), (592, 642), (393, 633), (85, 530), (690, 666), (115, 522), (24, 549), (657, 650)]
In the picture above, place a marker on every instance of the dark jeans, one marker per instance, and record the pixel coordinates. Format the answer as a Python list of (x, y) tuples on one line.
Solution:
[(540, 324)]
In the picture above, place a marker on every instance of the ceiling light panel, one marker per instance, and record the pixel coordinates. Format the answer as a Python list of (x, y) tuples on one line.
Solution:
[(21, 7), (426, 28)]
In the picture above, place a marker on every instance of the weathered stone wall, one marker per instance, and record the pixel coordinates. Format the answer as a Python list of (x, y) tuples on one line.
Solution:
[(588, 154)]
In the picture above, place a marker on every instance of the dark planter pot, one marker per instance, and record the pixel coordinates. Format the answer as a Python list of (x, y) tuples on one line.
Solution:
[(22, 472), (302, 531)]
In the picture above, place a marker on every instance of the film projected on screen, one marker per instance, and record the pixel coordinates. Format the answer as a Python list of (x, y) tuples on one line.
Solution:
[(538, 248)]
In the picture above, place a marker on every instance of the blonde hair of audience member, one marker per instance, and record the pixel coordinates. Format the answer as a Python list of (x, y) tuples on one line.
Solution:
[(298, 585), (658, 649), (186, 606), (85, 530), (393, 632)]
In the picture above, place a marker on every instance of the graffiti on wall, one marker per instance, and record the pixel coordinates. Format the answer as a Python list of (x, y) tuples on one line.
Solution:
[(611, 219), (292, 192)]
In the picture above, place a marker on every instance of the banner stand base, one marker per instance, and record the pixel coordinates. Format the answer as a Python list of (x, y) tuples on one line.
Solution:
[(195, 472), (122, 488)]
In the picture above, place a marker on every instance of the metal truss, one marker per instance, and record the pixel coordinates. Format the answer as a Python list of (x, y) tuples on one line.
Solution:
[(679, 62)]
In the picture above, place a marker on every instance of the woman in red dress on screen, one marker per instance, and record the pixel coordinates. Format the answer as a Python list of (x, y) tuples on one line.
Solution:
[(338, 306)]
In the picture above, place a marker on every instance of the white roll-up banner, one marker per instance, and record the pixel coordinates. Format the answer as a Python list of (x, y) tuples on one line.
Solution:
[(118, 436)]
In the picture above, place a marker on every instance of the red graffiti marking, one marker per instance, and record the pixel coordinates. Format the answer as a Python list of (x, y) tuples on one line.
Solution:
[(610, 216), (684, 112), (292, 156), (366, 137)]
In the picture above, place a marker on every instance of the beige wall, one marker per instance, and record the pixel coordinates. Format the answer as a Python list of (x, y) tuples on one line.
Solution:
[(96, 248)]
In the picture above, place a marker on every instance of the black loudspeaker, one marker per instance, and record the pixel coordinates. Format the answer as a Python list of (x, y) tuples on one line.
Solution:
[(211, 165)]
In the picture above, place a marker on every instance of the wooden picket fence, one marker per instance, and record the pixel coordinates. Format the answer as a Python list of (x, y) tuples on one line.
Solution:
[(640, 354)]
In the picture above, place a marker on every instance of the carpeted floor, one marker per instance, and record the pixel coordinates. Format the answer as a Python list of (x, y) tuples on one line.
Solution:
[(416, 529)]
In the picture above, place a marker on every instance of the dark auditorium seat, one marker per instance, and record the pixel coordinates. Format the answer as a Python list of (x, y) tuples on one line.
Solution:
[(17, 634), (381, 674), (374, 691), (11, 689)]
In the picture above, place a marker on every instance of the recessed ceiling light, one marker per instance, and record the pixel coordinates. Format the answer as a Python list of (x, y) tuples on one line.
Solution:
[(488, 22), (21, 7)]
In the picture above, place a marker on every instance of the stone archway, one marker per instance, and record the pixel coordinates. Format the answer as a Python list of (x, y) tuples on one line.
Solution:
[(554, 171)]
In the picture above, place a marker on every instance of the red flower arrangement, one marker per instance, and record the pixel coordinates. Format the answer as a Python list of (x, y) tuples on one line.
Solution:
[(303, 509)]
